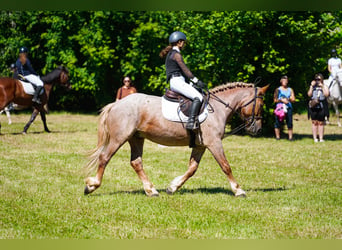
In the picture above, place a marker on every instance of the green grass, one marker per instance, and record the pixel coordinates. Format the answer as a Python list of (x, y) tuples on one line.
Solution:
[(294, 189)]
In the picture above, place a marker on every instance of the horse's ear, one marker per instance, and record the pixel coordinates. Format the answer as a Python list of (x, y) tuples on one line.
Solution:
[(263, 90)]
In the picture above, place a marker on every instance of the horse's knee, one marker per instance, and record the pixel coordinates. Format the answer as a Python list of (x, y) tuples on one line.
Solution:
[(137, 164)]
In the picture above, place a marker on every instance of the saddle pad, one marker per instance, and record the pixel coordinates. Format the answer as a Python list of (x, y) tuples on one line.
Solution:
[(28, 88), (172, 112)]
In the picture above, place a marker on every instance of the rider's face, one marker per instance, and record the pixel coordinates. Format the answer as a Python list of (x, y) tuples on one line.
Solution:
[(181, 44)]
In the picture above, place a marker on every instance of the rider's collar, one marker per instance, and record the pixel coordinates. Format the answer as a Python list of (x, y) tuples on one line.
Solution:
[(176, 48)]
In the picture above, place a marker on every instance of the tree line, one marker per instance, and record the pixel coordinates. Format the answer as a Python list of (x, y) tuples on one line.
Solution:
[(100, 47)]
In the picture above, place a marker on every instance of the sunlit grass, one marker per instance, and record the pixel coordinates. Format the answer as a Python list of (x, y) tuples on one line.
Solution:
[(293, 188)]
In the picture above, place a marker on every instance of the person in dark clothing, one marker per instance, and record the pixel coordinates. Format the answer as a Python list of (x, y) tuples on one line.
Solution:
[(318, 92), (179, 75), (25, 69)]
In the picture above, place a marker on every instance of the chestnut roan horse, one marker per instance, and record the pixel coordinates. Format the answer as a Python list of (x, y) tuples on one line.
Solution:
[(11, 90), (138, 117)]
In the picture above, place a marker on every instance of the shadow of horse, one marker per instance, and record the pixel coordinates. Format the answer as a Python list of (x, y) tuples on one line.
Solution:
[(52, 132), (213, 190)]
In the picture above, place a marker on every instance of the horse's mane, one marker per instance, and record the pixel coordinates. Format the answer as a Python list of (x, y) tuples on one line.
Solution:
[(231, 85), (53, 75)]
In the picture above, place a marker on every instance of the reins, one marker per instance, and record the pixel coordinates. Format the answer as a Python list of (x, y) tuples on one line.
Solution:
[(250, 120)]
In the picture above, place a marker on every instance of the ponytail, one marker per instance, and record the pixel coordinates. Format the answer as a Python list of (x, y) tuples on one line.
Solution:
[(165, 51)]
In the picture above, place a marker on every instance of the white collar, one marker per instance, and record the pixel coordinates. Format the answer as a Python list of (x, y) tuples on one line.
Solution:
[(176, 48)]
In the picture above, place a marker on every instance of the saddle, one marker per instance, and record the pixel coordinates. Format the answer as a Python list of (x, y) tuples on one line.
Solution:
[(184, 102)]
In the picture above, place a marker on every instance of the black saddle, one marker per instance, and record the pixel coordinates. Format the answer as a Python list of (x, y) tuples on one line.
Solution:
[(184, 102)]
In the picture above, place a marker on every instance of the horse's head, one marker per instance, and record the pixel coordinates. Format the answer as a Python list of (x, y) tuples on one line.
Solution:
[(64, 77), (251, 110)]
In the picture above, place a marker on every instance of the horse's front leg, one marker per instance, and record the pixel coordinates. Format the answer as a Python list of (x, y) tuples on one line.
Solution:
[(337, 113), (43, 116), (195, 159), (33, 117), (218, 153)]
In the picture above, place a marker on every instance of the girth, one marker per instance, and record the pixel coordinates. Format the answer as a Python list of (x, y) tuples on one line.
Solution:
[(184, 102)]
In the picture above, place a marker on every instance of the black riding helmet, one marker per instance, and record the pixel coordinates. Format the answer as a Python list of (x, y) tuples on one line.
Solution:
[(23, 50), (176, 36)]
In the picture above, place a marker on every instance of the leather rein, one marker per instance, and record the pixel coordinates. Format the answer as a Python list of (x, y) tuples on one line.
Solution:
[(250, 120)]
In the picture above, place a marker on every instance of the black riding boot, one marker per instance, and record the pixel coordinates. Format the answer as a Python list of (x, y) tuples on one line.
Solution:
[(36, 95), (194, 110)]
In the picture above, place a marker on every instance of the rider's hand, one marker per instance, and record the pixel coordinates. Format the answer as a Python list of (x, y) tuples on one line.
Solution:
[(201, 84)]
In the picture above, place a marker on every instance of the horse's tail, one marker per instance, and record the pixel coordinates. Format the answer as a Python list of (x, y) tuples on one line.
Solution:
[(102, 141)]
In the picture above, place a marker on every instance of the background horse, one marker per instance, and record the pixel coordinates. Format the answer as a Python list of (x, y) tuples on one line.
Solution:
[(335, 89), (139, 116), (11, 90)]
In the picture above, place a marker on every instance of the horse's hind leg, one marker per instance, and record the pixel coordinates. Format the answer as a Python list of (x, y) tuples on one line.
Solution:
[(93, 183), (137, 145), (195, 159)]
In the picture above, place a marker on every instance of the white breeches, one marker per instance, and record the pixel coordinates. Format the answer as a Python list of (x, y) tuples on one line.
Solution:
[(35, 80), (179, 85)]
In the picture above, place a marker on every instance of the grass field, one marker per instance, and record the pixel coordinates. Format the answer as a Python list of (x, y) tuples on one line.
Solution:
[(294, 189)]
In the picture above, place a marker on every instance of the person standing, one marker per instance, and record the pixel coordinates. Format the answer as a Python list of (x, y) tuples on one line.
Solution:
[(126, 89), (178, 74), (25, 69), (334, 64), (285, 96), (318, 92)]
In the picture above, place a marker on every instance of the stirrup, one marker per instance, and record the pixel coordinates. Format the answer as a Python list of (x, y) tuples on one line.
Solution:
[(192, 125)]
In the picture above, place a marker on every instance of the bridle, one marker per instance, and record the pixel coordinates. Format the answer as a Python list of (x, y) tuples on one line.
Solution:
[(247, 122)]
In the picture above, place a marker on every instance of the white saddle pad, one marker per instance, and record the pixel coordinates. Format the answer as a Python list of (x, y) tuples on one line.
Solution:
[(172, 112), (28, 88)]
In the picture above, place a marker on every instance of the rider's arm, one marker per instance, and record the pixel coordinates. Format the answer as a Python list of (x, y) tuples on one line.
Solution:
[(178, 58), (30, 68)]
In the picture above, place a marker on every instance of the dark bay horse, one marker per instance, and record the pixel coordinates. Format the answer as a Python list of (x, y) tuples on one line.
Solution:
[(138, 117), (11, 90)]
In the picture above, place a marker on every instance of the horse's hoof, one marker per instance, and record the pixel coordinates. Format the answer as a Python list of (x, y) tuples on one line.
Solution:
[(86, 190), (169, 191), (241, 196), (24, 133)]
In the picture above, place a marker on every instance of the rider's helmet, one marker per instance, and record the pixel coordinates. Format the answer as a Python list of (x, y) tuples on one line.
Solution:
[(333, 52), (176, 36), (23, 50)]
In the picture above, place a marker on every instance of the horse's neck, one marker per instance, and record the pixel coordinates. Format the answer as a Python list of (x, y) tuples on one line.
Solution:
[(48, 87), (233, 97)]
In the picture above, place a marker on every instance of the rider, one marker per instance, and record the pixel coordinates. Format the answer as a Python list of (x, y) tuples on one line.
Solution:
[(334, 64), (178, 75), (25, 69)]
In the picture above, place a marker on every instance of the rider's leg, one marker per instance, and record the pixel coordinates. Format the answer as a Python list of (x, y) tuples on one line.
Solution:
[(194, 110), (40, 85), (179, 85)]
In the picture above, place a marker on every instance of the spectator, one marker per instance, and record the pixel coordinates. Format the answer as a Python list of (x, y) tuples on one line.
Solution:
[(126, 89), (318, 93), (284, 96)]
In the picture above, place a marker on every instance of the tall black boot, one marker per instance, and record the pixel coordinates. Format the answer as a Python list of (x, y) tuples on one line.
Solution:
[(194, 110), (36, 95)]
